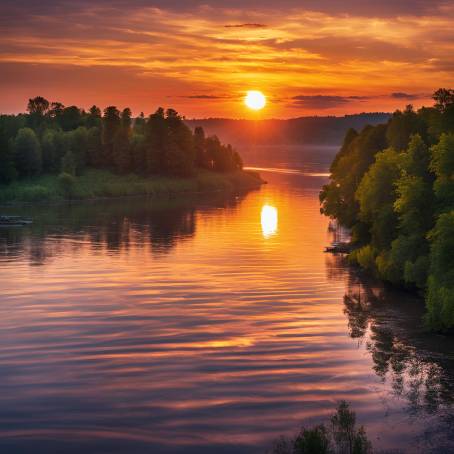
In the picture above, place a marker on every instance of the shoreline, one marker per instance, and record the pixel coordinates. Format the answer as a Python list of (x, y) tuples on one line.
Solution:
[(96, 185)]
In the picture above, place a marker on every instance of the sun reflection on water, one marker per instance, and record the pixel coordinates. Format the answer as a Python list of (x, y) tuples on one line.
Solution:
[(269, 220)]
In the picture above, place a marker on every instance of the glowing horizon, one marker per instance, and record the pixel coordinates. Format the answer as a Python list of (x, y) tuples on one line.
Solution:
[(313, 59)]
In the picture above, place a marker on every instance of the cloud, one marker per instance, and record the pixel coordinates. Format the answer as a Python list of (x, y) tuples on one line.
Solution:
[(324, 101), (151, 50), (204, 97), (245, 26), (401, 95)]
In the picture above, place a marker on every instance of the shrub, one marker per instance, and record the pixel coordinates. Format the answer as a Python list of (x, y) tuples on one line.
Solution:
[(67, 183)]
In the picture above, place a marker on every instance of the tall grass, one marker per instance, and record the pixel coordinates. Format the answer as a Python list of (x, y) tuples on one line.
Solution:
[(101, 183)]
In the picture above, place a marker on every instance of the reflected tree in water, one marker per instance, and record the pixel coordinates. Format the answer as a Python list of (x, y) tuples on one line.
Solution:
[(115, 226), (391, 339)]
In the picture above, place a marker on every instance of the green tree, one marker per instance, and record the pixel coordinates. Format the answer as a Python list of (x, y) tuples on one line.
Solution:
[(70, 118), (27, 153), (402, 126), (139, 124), (110, 127), (440, 296), (156, 138), (93, 119), (49, 152), (122, 148), (442, 165), (199, 147), (357, 154), (7, 169), (415, 209), (78, 144), (67, 183), (138, 154), (180, 149), (94, 153)]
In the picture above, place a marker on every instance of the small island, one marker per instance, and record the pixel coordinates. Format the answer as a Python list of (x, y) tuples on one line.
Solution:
[(55, 153)]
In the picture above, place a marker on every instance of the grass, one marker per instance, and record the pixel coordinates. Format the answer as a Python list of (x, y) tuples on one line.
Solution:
[(96, 183)]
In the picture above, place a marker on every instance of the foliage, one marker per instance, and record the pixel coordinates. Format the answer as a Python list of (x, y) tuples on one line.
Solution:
[(67, 183), (397, 197), (95, 183), (340, 437), (52, 138), (27, 152)]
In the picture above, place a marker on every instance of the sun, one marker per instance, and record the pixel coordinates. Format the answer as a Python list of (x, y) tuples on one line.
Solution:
[(255, 100)]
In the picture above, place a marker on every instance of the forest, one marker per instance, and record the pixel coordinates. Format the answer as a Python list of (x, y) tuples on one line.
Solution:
[(53, 139), (393, 186)]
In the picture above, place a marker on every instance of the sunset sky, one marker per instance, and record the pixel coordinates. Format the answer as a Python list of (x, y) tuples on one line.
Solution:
[(200, 57)]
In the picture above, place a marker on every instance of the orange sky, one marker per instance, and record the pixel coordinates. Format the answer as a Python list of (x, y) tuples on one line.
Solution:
[(309, 57)]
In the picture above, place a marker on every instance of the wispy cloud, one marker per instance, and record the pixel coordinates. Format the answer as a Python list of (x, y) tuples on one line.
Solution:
[(324, 101), (315, 55), (245, 26)]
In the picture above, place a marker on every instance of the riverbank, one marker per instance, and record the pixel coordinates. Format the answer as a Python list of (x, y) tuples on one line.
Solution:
[(96, 183)]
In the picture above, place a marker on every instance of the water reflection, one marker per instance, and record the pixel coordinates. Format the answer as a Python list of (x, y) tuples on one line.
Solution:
[(269, 221), (107, 226), (174, 327), (417, 367)]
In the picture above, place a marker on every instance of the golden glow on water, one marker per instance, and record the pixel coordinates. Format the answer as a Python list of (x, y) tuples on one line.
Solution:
[(269, 220), (181, 326)]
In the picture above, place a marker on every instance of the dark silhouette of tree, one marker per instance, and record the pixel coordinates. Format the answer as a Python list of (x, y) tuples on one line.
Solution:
[(93, 118), (340, 437), (38, 106), (122, 148), (199, 147), (110, 126)]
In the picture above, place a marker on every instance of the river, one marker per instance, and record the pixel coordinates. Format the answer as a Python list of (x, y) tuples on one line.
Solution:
[(209, 324)]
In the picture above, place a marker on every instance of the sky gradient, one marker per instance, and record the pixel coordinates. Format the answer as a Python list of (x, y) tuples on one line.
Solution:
[(309, 57)]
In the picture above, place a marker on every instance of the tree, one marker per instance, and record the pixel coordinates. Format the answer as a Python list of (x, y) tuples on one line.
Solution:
[(27, 153), (376, 195), (444, 98), (440, 296), (342, 437), (402, 126), (94, 155), (93, 118), (56, 111), (442, 165), (110, 126), (122, 152), (49, 151), (70, 118), (7, 170), (78, 144), (156, 138), (180, 157), (311, 441), (199, 147), (38, 106), (139, 124), (121, 148), (138, 154), (415, 209), (67, 183)]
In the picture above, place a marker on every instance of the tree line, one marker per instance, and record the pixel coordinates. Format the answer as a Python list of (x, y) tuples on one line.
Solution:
[(393, 185), (52, 138)]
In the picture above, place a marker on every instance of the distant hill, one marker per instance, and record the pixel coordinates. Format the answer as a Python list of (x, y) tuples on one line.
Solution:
[(303, 130)]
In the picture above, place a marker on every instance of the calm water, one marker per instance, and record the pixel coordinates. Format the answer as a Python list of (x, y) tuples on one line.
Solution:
[(206, 325)]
